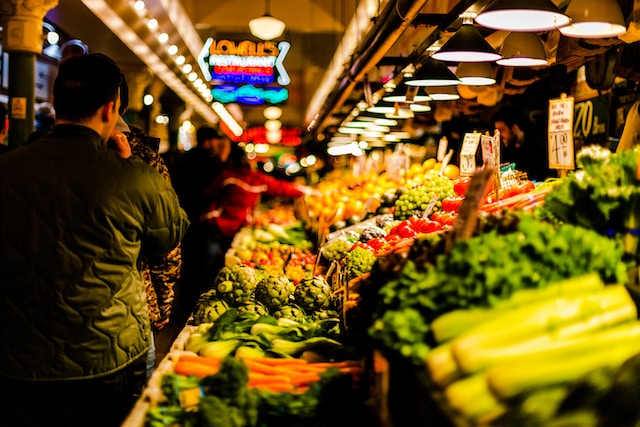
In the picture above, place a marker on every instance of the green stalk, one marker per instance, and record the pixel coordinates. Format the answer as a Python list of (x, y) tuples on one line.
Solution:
[(563, 365), (442, 366), (455, 322), (484, 357), (473, 399), (532, 322)]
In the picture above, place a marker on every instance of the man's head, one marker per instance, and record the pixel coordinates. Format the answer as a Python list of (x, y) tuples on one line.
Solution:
[(511, 123), (213, 142), (86, 89)]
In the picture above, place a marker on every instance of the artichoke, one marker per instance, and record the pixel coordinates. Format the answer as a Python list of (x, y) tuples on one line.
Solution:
[(235, 284), (274, 292), (209, 310), (312, 293), (253, 307), (290, 311), (324, 315)]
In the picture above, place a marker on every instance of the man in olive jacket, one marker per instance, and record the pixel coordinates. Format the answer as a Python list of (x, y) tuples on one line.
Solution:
[(75, 218)]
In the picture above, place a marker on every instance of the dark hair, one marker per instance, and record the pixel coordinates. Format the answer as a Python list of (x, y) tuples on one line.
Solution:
[(205, 133), (238, 158), (511, 116), (84, 84)]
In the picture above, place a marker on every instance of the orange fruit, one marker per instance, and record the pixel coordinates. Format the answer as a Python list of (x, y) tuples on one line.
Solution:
[(451, 171), (429, 163)]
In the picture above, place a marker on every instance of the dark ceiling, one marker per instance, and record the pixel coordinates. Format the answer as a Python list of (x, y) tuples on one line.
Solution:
[(397, 35)]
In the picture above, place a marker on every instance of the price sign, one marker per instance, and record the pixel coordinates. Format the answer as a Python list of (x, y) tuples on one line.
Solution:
[(490, 150), (468, 153), (561, 148)]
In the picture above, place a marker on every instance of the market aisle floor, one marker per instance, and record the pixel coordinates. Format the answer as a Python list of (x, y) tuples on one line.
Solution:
[(167, 335)]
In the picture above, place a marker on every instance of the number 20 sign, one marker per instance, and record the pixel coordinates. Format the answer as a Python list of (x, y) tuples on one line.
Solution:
[(561, 148)]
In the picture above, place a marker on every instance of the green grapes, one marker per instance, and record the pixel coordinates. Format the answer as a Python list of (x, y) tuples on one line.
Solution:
[(336, 250), (416, 200)]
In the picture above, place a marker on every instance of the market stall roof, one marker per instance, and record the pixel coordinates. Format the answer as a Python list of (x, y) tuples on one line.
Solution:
[(341, 54)]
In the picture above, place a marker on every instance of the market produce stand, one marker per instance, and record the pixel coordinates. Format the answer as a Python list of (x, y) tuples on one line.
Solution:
[(503, 318)]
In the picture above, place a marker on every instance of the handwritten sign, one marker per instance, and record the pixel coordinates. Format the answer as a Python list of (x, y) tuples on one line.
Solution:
[(468, 153), (561, 148), (490, 150)]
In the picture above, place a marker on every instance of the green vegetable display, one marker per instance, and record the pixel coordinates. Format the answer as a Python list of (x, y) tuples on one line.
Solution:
[(488, 268), (358, 262), (603, 196)]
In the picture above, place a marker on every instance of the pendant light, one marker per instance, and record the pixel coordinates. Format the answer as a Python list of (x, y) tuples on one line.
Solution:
[(522, 15), (266, 27), (466, 45), (594, 19), (523, 50), (405, 94), (443, 93), (433, 73), (476, 73)]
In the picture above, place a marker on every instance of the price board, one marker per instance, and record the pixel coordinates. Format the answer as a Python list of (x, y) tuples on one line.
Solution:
[(561, 147), (468, 153), (490, 150)]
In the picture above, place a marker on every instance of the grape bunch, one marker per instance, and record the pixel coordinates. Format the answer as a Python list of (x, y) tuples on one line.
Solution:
[(336, 250), (416, 200)]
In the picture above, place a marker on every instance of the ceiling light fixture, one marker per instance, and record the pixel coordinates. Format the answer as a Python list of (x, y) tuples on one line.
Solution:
[(433, 73), (523, 50), (443, 93), (476, 73), (466, 45), (522, 15), (408, 94), (594, 19), (266, 27)]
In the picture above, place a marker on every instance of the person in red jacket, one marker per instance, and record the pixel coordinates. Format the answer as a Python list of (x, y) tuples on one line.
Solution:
[(234, 194)]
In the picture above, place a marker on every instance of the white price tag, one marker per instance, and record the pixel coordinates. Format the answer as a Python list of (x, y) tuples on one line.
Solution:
[(468, 153), (489, 151), (443, 145), (561, 147)]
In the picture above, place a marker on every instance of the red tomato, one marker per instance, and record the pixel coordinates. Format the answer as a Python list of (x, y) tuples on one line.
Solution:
[(452, 204), (460, 186), (405, 232), (377, 242)]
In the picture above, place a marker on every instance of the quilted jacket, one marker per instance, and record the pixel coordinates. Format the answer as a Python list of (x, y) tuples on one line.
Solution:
[(74, 221)]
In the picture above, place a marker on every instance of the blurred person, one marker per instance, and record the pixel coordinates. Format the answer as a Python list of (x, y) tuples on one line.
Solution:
[(160, 274), (233, 196), (4, 128), (195, 170), (44, 121), (72, 299), (518, 144)]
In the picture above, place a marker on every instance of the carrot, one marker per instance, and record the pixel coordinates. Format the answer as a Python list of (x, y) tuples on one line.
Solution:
[(275, 387), (194, 369), (266, 379), (265, 369), (212, 361), (277, 361), (304, 379)]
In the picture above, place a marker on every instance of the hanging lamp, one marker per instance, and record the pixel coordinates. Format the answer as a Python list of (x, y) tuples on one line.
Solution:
[(522, 15), (523, 50), (594, 19), (443, 93), (466, 45), (266, 27), (433, 73), (405, 94), (476, 73)]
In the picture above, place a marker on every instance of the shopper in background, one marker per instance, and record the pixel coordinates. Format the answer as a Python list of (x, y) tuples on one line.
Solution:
[(518, 145), (72, 301), (233, 196), (4, 128), (160, 274), (196, 169)]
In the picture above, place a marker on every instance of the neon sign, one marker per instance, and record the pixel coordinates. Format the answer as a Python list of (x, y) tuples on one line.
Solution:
[(258, 135), (249, 62), (249, 94)]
